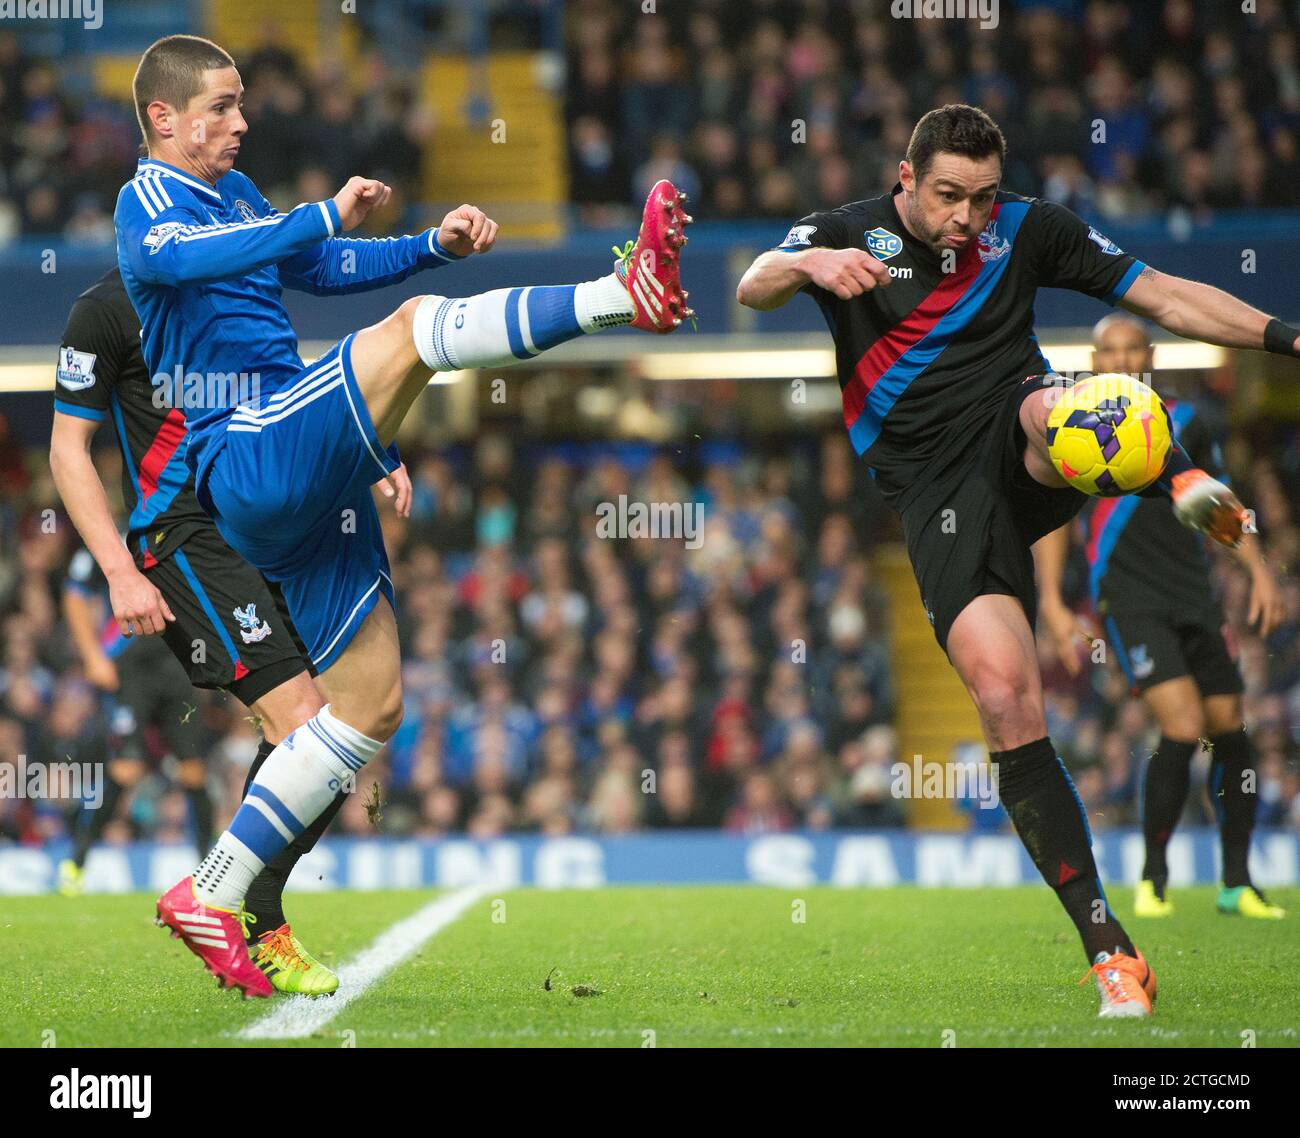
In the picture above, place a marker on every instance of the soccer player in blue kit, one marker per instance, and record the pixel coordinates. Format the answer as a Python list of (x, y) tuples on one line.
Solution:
[(284, 455)]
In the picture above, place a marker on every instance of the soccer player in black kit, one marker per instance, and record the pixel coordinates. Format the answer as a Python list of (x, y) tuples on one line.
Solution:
[(176, 577), (928, 292), (1149, 581), (143, 685)]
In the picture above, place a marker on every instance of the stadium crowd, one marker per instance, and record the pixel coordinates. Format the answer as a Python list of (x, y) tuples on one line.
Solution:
[(765, 109), (775, 107), (559, 681), (63, 159)]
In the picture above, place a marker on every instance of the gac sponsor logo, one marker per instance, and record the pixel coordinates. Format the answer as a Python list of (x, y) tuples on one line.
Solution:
[(882, 244)]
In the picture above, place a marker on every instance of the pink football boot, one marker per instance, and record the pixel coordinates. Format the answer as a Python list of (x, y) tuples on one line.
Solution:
[(215, 936), (650, 268)]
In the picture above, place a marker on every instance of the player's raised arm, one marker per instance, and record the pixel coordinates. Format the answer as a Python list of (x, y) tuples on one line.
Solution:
[(175, 247), (1074, 255), (810, 255), (776, 276), (1203, 312), (467, 230), (346, 265)]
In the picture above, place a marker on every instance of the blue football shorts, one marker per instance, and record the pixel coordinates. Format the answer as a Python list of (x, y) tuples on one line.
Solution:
[(290, 492)]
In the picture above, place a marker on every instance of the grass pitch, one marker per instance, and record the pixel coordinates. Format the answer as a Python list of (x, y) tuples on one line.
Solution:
[(632, 967)]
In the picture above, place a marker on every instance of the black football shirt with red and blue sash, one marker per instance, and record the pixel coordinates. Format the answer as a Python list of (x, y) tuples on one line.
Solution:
[(925, 363), (101, 375), (1140, 557)]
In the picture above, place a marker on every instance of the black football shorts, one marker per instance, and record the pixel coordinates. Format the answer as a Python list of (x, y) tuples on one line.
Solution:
[(1152, 647), (970, 529), (231, 630)]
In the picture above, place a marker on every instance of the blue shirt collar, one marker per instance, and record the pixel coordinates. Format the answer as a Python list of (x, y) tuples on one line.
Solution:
[(166, 169)]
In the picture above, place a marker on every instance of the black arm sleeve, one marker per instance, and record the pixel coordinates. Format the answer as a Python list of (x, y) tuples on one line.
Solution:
[(1071, 254), (90, 359), (828, 229)]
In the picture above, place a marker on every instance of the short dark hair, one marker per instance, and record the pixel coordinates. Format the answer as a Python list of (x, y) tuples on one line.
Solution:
[(171, 69), (954, 129)]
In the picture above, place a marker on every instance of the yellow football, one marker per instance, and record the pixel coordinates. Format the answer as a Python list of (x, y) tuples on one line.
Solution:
[(1109, 434)]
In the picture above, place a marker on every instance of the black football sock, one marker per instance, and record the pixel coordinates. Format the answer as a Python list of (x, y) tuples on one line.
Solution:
[(91, 823), (1046, 811), (201, 814), (265, 897), (263, 753), (1232, 763), (1163, 796)]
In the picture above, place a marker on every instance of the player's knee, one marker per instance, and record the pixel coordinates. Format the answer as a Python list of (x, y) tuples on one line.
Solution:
[(304, 707), (387, 717), (286, 708), (1003, 696), (375, 715), (1221, 720), (404, 316), (1184, 723)]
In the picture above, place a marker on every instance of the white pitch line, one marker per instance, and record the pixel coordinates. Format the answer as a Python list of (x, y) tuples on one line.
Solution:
[(298, 1016)]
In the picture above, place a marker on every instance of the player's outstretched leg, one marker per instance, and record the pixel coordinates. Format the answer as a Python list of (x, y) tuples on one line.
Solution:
[(992, 647), (1200, 501), (392, 359)]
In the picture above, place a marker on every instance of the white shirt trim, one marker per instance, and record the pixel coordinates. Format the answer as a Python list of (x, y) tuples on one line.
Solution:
[(193, 183)]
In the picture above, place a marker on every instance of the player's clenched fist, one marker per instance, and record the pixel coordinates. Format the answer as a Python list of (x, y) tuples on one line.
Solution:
[(845, 272), (467, 230), (358, 198)]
